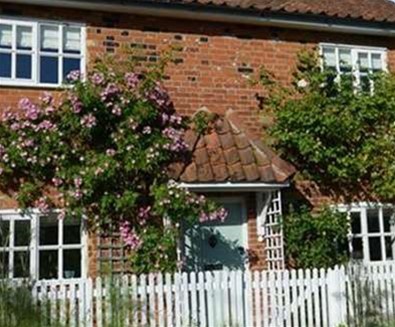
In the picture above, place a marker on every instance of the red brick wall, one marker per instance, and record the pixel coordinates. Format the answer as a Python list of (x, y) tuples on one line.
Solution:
[(214, 62)]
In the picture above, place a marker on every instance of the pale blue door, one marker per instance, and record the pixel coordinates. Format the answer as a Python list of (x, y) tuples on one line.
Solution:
[(219, 245)]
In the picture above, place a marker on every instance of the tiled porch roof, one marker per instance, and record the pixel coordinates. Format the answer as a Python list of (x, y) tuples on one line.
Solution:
[(229, 154)]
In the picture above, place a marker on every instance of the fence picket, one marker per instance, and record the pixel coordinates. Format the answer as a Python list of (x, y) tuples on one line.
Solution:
[(210, 302), (257, 299), (72, 307), (185, 299), (248, 298), (143, 299), (323, 293), (169, 300), (177, 294), (217, 297), (301, 298), (202, 300), (151, 300), (161, 307), (194, 303), (287, 298), (232, 296), (239, 298), (265, 299), (295, 299), (225, 299)]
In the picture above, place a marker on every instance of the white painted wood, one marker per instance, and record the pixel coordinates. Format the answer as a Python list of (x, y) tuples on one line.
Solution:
[(143, 299), (169, 300), (202, 300), (257, 298), (287, 298), (210, 299), (135, 303), (309, 300), (265, 299), (232, 296), (239, 299), (295, 298), (151, 300), (248, 298), (161, 304), (177, 296), (185, 299), (323, 289), (301, 298), (217, 298), (194, 299)]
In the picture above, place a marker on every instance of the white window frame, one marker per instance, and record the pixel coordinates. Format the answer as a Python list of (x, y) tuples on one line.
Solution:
[(362, 208), (36, 51), (355, 50), (34, 247)]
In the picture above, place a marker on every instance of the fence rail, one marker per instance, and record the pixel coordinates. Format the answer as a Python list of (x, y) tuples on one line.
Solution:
[(302, 298)]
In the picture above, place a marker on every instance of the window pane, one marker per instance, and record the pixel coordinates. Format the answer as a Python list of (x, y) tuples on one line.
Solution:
[(22, 233), (49, 38), (49, 231), (5, 65), (21, 264), (4, 233), (5, 36), (373, 221), (375, 249), (389, 242), (377, 63), (388, 215), (4, 264), (72, 39), (72, 233), (363, 61), (24, 37), (72, 263), (24, 66), (345, 60), (48, 264), (357, 248), (70, 64), (329, 57), (49, 70), (355, 222)]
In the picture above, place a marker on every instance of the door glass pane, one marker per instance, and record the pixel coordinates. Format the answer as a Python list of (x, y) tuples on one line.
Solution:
[(49, 70), (72, 40), (5, 36), (21, 264), (388, 216), (5, 65), (357, 248), (49, 38), (70, 64), (4, 264), (355, 222), (4, 233), (24, 37), (389, 243), (22, 233), (72, 263), (49, 233), (375, 248), (373, 221), (48, 264), (72, 233), (24, 66)]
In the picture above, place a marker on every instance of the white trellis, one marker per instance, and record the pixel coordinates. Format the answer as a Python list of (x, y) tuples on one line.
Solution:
[(269, 228)]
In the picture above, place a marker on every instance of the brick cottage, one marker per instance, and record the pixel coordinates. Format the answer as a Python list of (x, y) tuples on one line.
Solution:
[(219, 46)]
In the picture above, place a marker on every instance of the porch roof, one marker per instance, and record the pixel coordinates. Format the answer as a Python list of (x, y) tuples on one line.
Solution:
[(228, 153)]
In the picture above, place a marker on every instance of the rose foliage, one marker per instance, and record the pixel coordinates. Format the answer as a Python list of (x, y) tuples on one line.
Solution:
[(338, 131), (102, 153)]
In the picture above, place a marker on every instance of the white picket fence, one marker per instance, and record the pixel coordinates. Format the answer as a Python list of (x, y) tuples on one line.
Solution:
[(303, 298)]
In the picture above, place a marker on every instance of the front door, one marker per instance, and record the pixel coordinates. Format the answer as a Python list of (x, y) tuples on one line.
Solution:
[(219, 245)]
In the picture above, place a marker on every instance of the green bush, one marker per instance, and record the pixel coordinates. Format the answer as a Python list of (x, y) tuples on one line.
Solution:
[(316, 240)]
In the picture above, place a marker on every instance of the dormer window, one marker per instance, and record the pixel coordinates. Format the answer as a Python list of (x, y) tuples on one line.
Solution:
[(356, 62), (39, 53)]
